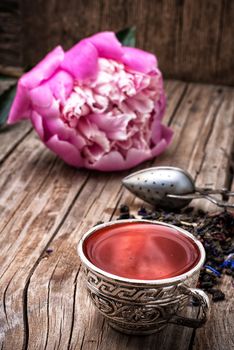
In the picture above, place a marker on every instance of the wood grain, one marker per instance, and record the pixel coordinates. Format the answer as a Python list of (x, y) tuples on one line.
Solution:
[(11, 48), (30, 230), (193, 123), (97, 194), (218, 333), (94, 333), (6, 83), (47, 206), (11, 136), (23, 235), (192, 39), (215, 170)]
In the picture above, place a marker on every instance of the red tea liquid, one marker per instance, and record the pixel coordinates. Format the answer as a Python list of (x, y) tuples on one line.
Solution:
[(141, 251)]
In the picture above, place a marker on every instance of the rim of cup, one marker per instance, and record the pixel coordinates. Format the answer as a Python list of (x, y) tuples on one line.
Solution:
[(156, 282)]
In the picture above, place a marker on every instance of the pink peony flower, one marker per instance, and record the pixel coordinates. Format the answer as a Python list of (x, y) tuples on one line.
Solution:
[(98, 105)]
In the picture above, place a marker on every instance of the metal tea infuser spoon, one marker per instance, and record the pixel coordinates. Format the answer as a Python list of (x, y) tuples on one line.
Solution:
[(171, 188)]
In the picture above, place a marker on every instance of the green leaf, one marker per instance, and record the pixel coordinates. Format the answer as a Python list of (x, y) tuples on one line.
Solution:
[(127, 36), (6, 100)]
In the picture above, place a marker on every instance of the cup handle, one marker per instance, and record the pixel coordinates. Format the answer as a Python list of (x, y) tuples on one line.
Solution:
[(204, 308)]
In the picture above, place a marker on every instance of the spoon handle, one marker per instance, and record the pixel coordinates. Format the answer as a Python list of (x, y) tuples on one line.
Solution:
[(199, 195), (222, 191)]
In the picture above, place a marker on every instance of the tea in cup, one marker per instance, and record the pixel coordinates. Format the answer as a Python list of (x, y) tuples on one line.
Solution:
[(140, 274)]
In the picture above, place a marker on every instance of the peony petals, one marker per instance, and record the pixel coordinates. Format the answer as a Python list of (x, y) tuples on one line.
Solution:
[(160, 131), (61, 85), (156, 131), (81, 60), (38, 124), (85, 128), (159, 148), (160, 106), (99, 105), (92, 153), (41, 96), (114, 126), (107, 45), (114, 161), (109, 162), (20, 108), (140, 103), (137, 156), (65, 150), (43, 101), (139, 60), (57, 126), (167, 133), (43, 70), (93, 135), (51, 111)]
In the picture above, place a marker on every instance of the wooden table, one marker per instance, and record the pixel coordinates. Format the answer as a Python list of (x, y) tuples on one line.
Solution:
[(46, 206)]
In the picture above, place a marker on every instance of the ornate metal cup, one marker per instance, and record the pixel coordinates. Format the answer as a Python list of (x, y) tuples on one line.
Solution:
[(144, 306)]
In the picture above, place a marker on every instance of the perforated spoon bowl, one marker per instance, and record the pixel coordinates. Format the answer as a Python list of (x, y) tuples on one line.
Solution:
[(170, 188)]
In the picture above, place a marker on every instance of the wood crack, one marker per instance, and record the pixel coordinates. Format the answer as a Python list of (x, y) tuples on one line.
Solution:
[(119, 197), (73, 307), (193, 335), (25, 291), (13, 213), (101, 333), (230, 173), (11, 150), (22, 203), (94, 199), (69, 203), (82, 342), (207, 138), (4, 298), (178, 104), (48, 304), (48, 174), (60, 335)]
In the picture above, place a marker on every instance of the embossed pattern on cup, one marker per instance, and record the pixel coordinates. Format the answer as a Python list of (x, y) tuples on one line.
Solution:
[(143, 306)]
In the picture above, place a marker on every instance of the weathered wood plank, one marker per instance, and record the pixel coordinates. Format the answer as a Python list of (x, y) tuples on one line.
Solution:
[(197, 109), (6, 83), (10, 33), (30, 230), (175, 92), (98, 199), (44, 302), (215, 170), (194, 122), (218, 333), (88, 331), (62, 268), (168, 31), (19, 177), (11, 136), (192, 125), (170, 25), (183, 337), (31, 181)]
